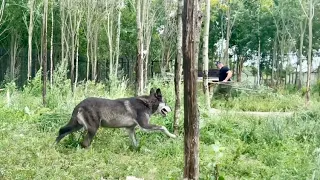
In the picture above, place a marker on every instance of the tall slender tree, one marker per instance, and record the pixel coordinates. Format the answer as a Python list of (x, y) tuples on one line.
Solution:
[(30, 31), (178, 68), (191, 18), (44, 50), (205, 54)]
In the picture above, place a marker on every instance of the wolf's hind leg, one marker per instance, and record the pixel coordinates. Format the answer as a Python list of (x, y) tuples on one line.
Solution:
[(89, 137)]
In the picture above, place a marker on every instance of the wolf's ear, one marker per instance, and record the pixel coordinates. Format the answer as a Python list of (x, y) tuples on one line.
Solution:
[(152, 91), (158, 92)]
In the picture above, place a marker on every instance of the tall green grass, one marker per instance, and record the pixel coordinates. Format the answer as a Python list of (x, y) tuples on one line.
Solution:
[(241, 147)]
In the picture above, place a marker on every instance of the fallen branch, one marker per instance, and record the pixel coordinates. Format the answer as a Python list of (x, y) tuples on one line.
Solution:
[(261, 114)]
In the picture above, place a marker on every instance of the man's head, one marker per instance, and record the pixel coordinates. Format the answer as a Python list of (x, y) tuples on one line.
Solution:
[(219, 64)]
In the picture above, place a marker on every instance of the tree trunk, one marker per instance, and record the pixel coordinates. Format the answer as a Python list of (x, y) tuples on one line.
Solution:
[(139, 63), (205, 55), (51, 47), (77, 43), (30, 31), (178, 69), (62, 14), (191, 34), (95, 55), (258, 65), (239, 68), (109, 32), (302, 31), (274, 57), (118, 37), (13, 54), (88, 37), (226, 51), (44, 50), (280, 65), (310, 18), (72, 19), (148, 21)]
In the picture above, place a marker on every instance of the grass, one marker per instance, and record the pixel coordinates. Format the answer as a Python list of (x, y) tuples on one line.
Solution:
[(242, 147), (262, 100)]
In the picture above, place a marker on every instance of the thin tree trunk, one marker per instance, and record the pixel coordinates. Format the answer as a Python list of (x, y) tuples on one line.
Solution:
[(95, 47), (13, 54), (118, 38), (191, 34), (44, 50), (72, 35), (239, 68), (51, 46), (228, 33), (281, 58), (147, 32), (30, 31), (92, 57), (274, 57), (139, 63), (62, 15), (88, 36), (178, 69), (258, 64), (311, 14), (302, 32), (205, 54), (77, 41), (109, 31)]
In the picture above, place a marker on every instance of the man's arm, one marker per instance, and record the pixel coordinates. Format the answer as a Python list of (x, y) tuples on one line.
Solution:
[(228, 76)]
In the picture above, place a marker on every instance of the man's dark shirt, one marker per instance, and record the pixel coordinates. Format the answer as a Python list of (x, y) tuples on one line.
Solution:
[(223, 73)]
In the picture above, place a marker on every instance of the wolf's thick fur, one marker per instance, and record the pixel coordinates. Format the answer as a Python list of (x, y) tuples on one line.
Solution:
[(94, 112)]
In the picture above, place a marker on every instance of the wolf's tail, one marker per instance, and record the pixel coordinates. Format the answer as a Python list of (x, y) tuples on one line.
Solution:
[(72, 126)]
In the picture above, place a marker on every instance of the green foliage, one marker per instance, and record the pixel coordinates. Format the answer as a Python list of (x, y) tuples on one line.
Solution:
[(260, 100)]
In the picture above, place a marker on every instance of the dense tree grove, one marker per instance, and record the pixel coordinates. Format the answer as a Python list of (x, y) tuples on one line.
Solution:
[(66, 44), (93, 40)]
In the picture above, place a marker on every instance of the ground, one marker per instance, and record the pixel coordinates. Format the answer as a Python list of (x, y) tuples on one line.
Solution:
[(241, 146)]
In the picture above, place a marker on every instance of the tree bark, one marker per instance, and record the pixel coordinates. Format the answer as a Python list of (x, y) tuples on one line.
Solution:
[(310, 18), (274, 57), (77, 43), (110, 32), (178, 69), (239, 68), (51, 46), (302, 32), (118, 38), (139, 63), (191, 34), (258, 65), (44, 50), (228, 34), (30, 31), (13, 54), (205, 54)]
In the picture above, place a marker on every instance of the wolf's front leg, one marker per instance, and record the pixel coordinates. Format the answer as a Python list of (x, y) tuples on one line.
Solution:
[(132, 135), (152, 127)]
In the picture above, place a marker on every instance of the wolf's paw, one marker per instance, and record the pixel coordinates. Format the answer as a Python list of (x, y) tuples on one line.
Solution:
[(172, 136)]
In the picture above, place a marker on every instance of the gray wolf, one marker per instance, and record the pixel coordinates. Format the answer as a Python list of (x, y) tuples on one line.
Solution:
[(93, 113)]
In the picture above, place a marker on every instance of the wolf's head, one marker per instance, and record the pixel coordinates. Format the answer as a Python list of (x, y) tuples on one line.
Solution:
[(159, 105)]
